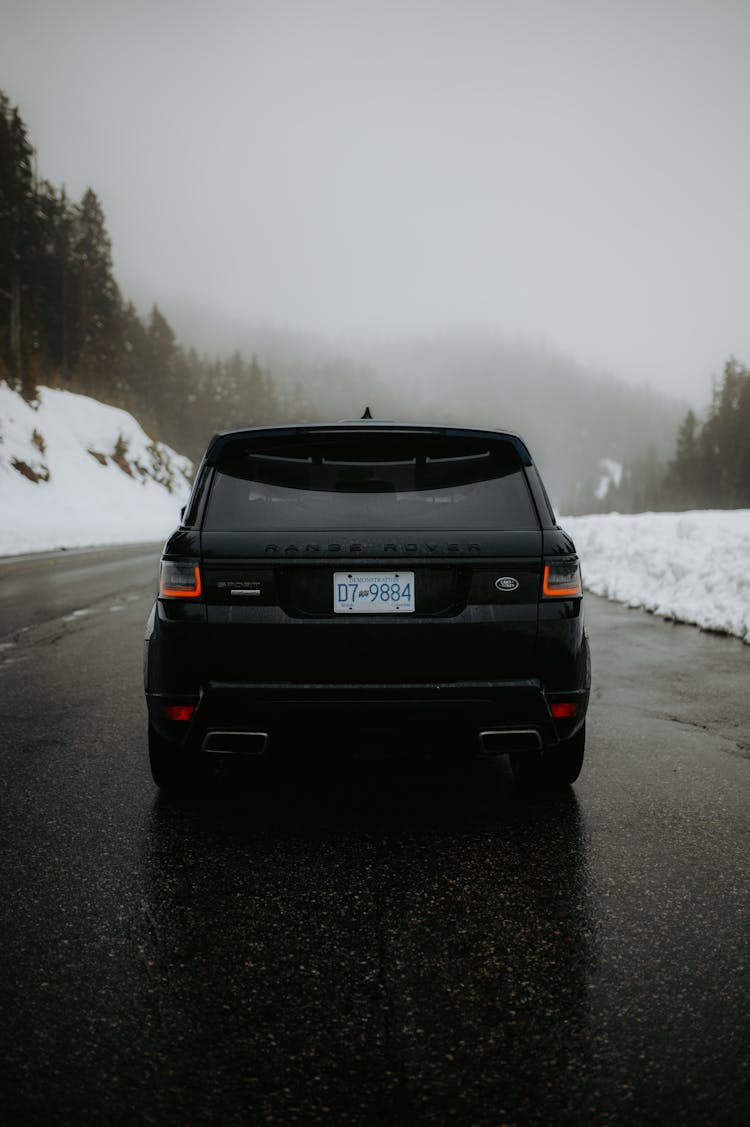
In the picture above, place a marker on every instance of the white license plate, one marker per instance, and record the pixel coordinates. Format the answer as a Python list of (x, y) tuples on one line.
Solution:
[(373, 592)]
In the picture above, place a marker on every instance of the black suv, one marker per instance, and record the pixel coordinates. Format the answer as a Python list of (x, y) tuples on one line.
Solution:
[(368, 580)]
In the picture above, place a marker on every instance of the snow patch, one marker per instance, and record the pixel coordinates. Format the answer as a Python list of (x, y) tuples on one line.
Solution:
[(690, 567), (75, 472), (611, 474)]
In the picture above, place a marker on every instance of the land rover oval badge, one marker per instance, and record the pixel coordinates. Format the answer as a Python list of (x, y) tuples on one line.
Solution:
[(506, 583)]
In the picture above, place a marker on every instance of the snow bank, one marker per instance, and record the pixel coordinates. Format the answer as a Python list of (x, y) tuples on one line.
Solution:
[(75, 472), (691, 567)]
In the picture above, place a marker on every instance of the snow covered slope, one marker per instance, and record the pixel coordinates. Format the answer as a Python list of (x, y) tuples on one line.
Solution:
[(691, 567), (75, 472)]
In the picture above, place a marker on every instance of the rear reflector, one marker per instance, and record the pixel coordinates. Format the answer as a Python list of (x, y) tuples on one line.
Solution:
[(562, 580), (179, 711), (180, 579), (563, 710)]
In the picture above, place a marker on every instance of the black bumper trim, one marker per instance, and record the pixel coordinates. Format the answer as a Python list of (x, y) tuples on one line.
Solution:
[(281, 707)]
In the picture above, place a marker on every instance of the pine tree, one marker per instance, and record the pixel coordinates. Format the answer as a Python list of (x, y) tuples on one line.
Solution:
[(51, 280), (97, 329), (743, 460), (17, 228), (730, 436), (134, 363), (684, 473)]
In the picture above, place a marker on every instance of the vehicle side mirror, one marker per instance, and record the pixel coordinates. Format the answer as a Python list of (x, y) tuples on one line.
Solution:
[(182, 512)]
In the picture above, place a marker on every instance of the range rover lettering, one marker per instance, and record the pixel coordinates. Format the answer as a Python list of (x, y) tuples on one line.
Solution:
[(329, 581)]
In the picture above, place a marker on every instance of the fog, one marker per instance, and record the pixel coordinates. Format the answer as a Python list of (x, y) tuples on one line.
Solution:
[(575, 174)]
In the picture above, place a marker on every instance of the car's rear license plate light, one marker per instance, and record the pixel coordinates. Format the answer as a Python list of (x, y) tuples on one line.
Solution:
[(373, 592)]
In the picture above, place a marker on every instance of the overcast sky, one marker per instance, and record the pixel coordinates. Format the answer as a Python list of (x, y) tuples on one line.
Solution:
[(577, 171)]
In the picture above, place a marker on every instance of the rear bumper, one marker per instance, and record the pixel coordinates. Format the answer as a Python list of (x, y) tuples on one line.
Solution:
[(493, 717)]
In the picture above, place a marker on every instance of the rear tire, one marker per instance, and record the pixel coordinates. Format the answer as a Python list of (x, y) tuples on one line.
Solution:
[(555, 768), (168, 768)]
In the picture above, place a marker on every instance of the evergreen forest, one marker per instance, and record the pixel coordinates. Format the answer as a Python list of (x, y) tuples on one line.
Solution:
[(710, 467), (64, 322)]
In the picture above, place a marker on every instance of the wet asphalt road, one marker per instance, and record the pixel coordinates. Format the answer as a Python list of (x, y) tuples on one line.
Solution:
[(378, 943)]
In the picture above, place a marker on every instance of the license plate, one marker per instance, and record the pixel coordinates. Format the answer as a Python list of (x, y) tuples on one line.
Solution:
[(374, 592)]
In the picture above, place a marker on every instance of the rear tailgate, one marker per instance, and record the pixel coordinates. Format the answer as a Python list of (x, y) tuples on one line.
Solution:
[(272, 618), (274, 539)]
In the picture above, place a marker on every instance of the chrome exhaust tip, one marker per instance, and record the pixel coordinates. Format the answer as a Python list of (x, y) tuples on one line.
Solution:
[(235, 743), (500, 741)]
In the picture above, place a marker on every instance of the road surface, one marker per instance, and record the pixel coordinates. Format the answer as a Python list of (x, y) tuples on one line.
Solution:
[(376, 944)]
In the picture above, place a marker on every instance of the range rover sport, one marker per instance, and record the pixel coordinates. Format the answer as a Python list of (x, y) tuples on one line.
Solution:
[(331, 580)]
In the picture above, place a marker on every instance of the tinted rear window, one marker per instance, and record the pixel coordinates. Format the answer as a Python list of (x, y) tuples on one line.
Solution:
[(378, 482)]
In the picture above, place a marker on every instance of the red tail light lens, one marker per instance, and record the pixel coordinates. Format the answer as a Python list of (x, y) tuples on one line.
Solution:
[(562, 580), (179, 711), (563, 710), (180, 579)]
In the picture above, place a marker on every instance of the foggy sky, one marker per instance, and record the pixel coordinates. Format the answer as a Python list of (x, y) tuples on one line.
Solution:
[(577, 172)]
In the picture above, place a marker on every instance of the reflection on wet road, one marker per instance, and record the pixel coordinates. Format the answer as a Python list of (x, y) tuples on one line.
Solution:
[(397, 950), (375, 942)]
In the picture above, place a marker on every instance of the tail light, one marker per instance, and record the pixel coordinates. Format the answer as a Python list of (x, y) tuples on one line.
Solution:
[(179, 711), (180, 579), (563, 709), (562, 580)]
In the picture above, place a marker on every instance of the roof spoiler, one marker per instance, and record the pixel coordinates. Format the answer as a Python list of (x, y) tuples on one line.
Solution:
[(266, 435)]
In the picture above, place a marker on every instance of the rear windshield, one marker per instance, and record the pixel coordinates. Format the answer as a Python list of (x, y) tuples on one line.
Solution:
[(371, 482)]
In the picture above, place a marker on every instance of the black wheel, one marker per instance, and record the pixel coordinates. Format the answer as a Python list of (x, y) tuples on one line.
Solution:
[(557, 767), (168, 769)]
